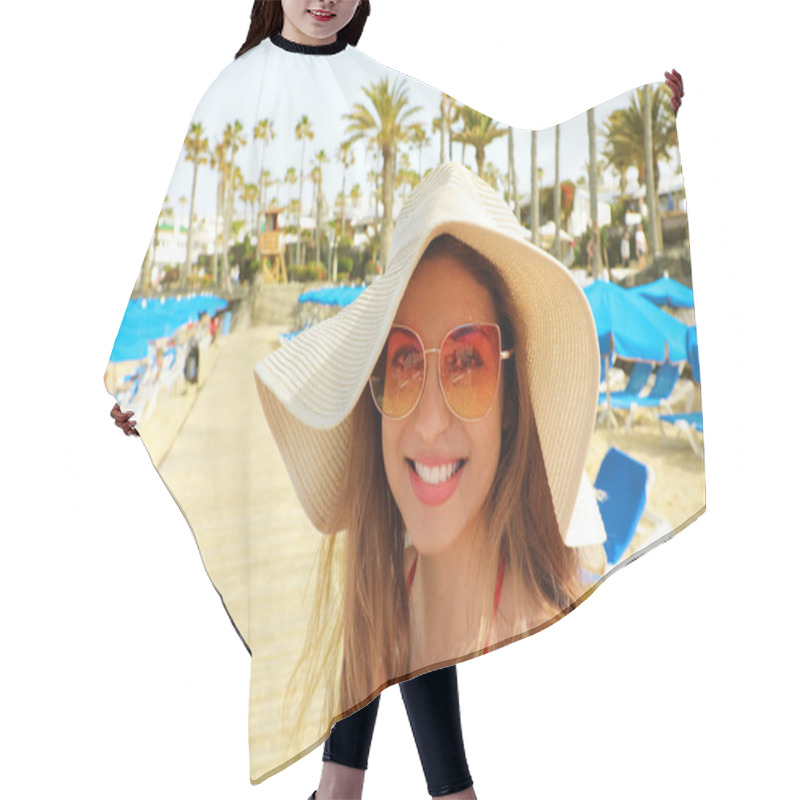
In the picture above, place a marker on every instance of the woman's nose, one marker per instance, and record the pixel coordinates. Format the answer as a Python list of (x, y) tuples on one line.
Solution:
[(432, 415)]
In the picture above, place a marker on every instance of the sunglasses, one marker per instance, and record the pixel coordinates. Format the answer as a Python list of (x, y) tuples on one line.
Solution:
[(468, 365)]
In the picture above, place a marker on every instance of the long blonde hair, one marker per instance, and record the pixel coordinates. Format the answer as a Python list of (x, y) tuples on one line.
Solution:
[(373, 619)]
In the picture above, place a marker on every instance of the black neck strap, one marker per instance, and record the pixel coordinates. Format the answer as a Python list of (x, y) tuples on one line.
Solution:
[(308, 49)]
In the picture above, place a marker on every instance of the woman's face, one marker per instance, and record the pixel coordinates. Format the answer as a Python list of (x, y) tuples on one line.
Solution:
[(315, 22), (442, 295)]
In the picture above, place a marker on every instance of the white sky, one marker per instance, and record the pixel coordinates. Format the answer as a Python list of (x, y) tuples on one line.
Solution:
[(316, 87)]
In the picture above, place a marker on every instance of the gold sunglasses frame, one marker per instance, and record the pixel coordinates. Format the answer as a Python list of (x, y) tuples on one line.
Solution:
[(505, 355)]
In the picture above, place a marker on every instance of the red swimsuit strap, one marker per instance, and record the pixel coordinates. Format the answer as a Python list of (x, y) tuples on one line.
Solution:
[(498, 586)]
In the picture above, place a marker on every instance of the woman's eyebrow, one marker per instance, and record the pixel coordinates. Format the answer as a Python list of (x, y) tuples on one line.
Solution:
[(462, 332)]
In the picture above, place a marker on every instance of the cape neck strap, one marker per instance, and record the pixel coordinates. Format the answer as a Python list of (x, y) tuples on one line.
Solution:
[(308, 49)]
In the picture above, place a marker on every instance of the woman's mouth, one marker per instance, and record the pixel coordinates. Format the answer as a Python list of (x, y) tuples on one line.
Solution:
[(322, 16), (433, 484)]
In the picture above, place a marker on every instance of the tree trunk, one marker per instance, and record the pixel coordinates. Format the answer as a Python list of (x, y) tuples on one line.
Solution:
[(557, 199), (188, 265), (344, 198), (444, 125), (227, 219), (215, 262), (512, 171), (319, 217), (388, 204), (593, 204), (300, 207), (535, 222), (652, 200), (144, 274)]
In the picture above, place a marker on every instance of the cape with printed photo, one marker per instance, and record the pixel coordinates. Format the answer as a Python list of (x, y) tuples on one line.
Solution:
[(387, 468)]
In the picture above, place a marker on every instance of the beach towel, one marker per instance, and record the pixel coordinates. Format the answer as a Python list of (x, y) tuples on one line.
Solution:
[(280, 191)]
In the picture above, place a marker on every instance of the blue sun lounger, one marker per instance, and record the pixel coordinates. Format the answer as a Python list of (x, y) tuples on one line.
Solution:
[(691, 423), (658, 397), (622, 488), (640, 373)]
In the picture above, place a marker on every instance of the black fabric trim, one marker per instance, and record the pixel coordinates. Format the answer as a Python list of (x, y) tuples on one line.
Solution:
[(308, 49)]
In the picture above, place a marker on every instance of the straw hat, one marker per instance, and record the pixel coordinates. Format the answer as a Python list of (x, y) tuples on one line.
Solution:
[(310, 385)]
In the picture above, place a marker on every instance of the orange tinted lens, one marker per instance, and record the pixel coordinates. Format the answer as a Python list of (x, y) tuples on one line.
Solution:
[(396, 381), (470, 369)]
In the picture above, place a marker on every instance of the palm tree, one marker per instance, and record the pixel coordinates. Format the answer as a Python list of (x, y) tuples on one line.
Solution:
[(355, 196), (593, 204), (419, 137), (347, 159), (374, 180), (450, 112), (534, 219), (557, 200), (182, 202), (220, 163), (652, 201), (406, 177), (265, 181), (320, 158), (623, 132), (390, 124), (265, 130), (197, 153), (166, 211), (233, 139), (512, 172), (302, 132), (442, 124), (491, 174), (478, 131), (290, 179), (249, 195)]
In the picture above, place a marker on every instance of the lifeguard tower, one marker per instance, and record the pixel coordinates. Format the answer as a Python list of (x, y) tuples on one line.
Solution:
[(271, 246)]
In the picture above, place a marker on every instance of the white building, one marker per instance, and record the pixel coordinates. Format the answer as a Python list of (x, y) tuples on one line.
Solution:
[(173, 234)]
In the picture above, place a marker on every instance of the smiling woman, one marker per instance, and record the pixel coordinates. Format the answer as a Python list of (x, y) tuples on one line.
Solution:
[(316, 21), (453, 472)]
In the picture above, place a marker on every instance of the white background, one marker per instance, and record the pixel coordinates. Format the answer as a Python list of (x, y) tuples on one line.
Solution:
[(120, 675)]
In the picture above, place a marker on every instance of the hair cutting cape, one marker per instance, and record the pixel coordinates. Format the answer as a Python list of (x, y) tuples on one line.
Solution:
[(271, 224)]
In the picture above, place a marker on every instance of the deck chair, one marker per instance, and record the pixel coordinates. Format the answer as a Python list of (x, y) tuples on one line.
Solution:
[(640, 373), (287, 337), (691, 424), (658, 397), (621, 486)]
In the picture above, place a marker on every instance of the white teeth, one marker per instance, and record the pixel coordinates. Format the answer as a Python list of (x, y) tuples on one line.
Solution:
[(436, 475)]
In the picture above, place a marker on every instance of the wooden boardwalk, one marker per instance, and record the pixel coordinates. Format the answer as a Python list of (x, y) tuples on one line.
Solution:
[(226, 473)]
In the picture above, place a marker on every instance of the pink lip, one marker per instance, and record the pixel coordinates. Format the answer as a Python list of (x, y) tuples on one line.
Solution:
[(323, 16), (433, 495)]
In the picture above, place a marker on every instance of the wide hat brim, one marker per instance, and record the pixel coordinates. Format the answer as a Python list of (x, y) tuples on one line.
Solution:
[(309, 387)]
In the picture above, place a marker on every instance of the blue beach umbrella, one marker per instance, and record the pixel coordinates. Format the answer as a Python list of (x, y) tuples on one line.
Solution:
[(153, 318), (666, 291), (333, 296), (633, 327)]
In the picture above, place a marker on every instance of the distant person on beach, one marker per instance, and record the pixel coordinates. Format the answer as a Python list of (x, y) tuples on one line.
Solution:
[(625, 250), (641, 247)]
